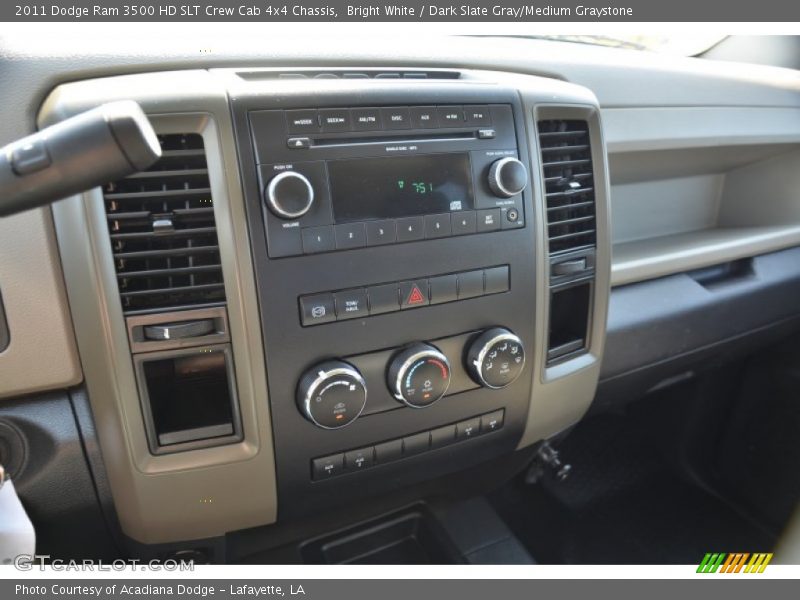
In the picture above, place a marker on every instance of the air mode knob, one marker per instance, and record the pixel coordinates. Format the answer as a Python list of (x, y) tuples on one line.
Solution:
[(507, 177), (419, 375), (496, 358), (332, 394), (289, 195)]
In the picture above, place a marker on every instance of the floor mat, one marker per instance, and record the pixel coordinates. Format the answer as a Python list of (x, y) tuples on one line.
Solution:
[(621, 505)]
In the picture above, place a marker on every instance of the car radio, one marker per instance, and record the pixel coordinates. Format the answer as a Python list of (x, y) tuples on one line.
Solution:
[(344, 178)]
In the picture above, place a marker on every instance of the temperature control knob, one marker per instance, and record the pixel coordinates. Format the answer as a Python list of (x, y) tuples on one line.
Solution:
[(289, 195), (419, 375), (507, 177), (496, 358), (332, 394)]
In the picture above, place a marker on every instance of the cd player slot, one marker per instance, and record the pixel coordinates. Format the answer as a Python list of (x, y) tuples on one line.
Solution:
[(405, 138)]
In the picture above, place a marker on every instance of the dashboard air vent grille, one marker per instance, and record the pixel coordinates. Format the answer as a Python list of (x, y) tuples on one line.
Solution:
[(569, 184), (163, 233)]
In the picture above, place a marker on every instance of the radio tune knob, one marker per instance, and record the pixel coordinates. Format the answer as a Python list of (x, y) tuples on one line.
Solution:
[(507, 177), (289, 195), (419, 375), (496, 358), (332, 394)]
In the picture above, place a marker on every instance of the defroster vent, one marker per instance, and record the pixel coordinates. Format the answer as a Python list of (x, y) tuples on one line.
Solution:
[(569, 184), (163, 233)]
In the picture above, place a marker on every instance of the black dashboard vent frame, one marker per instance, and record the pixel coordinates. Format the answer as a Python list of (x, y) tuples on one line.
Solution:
[(566, 154), (163, 232)]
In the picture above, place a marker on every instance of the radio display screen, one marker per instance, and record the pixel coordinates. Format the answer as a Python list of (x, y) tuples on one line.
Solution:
[(387, 188)]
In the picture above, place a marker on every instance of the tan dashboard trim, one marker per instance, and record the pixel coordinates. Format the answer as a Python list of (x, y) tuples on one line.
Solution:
[(41, 354), (199, 493)]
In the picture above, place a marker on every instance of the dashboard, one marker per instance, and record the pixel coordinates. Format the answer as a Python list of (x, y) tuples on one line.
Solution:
[(342, 281)]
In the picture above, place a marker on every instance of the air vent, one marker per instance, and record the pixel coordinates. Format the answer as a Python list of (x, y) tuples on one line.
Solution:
[(348, 74), (163, 234), (569, 184)]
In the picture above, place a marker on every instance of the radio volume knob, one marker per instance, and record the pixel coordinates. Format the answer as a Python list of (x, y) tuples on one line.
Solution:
[(332, 394), (289, 195), (496, 358), (507, 177)]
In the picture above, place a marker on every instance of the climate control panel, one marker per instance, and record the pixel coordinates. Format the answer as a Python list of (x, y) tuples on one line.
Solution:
[(334, 393)]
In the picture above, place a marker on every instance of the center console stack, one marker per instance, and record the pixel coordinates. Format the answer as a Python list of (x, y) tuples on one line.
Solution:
[(394, 251)]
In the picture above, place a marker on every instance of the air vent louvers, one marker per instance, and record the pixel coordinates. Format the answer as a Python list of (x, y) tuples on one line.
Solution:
[(163, 233), (569, 184)]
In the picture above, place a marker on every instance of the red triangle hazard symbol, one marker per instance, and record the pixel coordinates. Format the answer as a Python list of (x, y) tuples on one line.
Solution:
[(415, 297)]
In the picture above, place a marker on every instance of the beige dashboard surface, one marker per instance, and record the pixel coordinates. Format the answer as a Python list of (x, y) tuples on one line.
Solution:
[(41, 354)]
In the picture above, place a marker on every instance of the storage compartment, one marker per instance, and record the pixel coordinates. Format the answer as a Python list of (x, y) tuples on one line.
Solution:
[(188, 398), (677, 210), (412, 537), (569, 319)]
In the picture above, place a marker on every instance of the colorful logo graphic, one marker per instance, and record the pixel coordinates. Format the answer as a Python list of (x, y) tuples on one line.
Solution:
[(738, 562)]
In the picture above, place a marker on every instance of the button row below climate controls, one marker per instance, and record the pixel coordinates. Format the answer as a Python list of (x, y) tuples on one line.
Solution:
[(391, 451)]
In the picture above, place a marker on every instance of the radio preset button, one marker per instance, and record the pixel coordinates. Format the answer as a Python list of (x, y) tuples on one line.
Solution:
[(424, 117), (350, 235), (410, 229), (318, 239), (437, 226), (381, 232), (366, 119), (451, 116), (302, 121), (351, 304), (317, 309), (489, 220), (478, 115), (335, 119), (396, 117), (463, 222)]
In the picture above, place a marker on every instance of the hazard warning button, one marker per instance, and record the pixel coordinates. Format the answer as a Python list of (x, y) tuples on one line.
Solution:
[(414, 293)]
